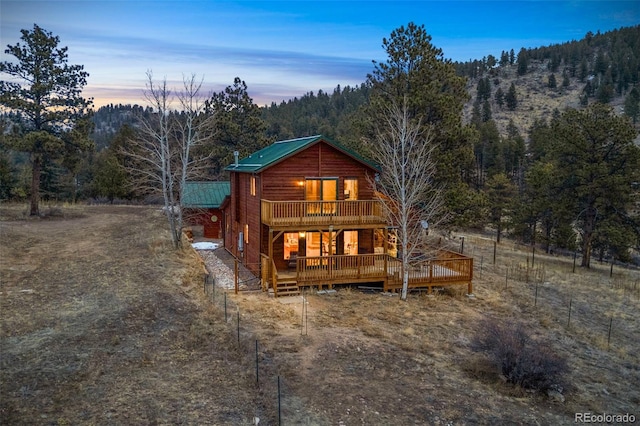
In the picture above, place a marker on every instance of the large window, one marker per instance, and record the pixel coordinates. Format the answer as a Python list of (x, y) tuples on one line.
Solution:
[(318, 243), (321, 189)]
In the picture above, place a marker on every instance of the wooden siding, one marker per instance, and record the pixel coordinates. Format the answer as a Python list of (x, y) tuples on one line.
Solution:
[(211, 229), (243, 205), (284, 181)]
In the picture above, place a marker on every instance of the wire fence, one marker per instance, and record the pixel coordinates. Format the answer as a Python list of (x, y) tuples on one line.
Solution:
[(600, 303), (260, 362)]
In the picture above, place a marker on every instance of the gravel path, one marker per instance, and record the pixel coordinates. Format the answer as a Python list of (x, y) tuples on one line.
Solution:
[(220, 263)]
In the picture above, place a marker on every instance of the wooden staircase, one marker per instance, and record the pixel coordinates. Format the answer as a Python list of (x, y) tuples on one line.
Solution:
[(286, 288)]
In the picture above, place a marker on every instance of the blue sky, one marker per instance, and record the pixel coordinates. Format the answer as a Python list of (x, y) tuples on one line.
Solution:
[(283, 49)]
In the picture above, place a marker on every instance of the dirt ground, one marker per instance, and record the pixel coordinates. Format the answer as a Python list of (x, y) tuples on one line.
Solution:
[(103, 323)]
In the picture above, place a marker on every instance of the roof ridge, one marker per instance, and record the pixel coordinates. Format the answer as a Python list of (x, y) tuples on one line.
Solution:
[(298, 139)]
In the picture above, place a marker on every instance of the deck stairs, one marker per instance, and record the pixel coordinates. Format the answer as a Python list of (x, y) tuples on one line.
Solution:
[(286, 288)]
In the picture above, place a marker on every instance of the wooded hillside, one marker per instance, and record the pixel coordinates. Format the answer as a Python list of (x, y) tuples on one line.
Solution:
[(516, 107)]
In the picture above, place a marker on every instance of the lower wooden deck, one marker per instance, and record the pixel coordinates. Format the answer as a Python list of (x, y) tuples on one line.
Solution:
[(448, 268)]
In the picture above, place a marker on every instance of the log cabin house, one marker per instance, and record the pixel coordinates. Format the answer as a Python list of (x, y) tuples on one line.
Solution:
[(303, 213)]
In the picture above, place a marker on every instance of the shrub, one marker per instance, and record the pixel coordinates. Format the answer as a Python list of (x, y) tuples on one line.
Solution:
[(522, 360)]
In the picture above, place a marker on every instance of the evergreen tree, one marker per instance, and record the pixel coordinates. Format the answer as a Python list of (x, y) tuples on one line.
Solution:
[(45, 91), (583, 71), (499, 96), (565, 79), (597, 164), (239, 126), (542, 212), (504, 59), (540, 137), (604, 93), (483, 89), (486, 111), (511, 98), (514, 150), (632, 104), (111, 177), (7, 179), (552, 84), (491, 61), (501, 194), (523, 62), (417, 69), (476, 115)]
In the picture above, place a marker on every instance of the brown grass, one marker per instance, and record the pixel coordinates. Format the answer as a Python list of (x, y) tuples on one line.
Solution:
[(103, 324)]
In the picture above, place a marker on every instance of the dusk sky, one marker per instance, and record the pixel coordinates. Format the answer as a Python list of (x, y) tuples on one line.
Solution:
[(286, 48)]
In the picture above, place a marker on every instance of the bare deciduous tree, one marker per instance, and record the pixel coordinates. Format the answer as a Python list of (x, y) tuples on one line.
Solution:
[(404, 151), (161, 156)]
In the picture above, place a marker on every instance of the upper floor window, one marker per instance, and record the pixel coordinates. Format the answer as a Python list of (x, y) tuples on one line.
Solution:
[(318, 189), (253, 185), (350, 189)]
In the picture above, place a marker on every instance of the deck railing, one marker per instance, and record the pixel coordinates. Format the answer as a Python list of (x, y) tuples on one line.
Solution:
[(340, 268), (447, 267), (339, 212)]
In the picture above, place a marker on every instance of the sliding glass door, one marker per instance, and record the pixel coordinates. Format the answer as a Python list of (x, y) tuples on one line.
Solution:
[(321, 190)]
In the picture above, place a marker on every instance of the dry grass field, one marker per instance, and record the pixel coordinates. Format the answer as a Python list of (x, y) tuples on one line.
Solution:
[(102, 323)]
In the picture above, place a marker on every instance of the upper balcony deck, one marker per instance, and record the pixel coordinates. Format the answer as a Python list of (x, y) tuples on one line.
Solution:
[(338, 213)]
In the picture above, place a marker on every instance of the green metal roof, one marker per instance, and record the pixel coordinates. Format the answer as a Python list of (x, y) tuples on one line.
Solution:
[(205, 194), (278, 151)]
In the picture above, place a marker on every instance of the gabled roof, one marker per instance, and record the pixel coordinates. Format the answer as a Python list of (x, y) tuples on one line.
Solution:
[(204, 194), (278, 151)]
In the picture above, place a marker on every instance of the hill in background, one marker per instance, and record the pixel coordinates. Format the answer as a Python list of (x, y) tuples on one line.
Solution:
[(604, 67)]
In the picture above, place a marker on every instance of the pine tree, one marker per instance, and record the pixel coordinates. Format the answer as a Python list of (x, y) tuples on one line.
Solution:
[(583, 71), (436, 96), (504, 59), (238, 123), (632, 104), (499, 96), (523, 62), (597, 164), (565, 79), (486, 111), (501, 193), (511, 98), (45, 91)]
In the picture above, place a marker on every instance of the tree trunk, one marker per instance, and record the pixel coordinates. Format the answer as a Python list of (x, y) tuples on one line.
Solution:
[(586, 250), (548, 239), (36, 165), (405, 283), (589, 229)]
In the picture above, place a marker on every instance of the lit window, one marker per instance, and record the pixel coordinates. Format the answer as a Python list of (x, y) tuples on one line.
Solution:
[(253, 186), (351, 189), (246, 234)]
